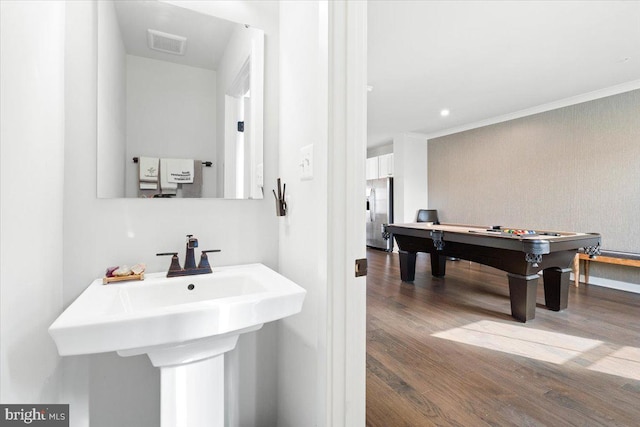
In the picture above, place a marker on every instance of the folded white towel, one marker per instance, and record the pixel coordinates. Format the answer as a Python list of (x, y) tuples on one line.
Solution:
[(148, 185), (148, 169), (166, 186), (179, 171)]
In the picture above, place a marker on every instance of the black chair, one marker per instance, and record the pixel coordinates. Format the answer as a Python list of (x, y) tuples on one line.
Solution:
[(427, 215)]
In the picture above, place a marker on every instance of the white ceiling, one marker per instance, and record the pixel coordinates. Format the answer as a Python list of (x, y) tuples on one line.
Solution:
[(207, 36), (485, 59)]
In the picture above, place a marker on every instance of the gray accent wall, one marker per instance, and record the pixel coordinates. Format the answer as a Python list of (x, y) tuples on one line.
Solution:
[(575, 168)]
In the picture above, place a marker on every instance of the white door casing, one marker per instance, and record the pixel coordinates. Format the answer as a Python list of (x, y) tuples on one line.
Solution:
[(346, 326)]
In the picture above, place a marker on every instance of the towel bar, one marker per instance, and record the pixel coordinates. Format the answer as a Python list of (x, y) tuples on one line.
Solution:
[(207, 163)]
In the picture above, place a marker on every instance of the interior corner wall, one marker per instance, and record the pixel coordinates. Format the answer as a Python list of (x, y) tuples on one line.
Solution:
[(116, 391), (303, 232), (410, 178), (31, 191), (575, 168)]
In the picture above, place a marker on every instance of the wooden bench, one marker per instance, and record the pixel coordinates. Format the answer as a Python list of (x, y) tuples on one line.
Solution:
[(608, 257)]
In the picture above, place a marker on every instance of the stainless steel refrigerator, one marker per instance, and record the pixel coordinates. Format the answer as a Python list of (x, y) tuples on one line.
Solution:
[(379, 212)]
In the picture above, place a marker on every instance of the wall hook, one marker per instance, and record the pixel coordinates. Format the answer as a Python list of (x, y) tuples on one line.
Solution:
[(281, 204)]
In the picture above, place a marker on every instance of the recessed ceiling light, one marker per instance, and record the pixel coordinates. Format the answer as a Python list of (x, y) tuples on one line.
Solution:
[(444, 113)]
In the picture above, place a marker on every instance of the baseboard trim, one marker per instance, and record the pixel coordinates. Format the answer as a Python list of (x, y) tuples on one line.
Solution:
[(611, 284)]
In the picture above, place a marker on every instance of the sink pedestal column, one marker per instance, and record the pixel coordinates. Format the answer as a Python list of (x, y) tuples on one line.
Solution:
[(192, 395), (192, 378)]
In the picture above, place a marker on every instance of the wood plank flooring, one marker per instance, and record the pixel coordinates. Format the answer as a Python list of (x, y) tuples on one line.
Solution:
[(446, 352)]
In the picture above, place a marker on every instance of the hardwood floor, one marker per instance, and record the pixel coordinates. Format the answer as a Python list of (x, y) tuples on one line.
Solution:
[(446, 352)]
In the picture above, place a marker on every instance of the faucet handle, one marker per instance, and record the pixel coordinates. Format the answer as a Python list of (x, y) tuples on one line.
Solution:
[(204, 259), (175, 262)]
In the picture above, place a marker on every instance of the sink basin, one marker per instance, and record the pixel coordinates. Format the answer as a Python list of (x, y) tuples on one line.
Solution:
[(184, 324), (129, 317)]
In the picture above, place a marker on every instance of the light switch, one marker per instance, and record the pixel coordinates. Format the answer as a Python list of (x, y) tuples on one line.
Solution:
[(306, 162)]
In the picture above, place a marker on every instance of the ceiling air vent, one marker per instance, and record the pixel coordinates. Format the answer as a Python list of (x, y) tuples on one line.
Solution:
[(165, 42)]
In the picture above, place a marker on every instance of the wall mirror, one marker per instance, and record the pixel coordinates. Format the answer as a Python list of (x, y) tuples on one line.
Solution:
[(180, 103)]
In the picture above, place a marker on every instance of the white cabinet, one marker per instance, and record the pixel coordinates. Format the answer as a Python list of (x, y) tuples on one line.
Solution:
[(385, 165), (380, 166), (372, 168)]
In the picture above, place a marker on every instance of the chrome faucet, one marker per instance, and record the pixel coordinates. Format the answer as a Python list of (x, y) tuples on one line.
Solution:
[(190, 267)]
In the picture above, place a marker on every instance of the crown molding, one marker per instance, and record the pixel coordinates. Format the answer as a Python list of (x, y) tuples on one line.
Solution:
[(573, 100)]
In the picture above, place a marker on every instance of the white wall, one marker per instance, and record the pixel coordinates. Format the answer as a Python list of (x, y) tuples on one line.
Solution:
[(410, 177), (103, 232), (303, 232), (31, 191), (112, 94), (171, 112)]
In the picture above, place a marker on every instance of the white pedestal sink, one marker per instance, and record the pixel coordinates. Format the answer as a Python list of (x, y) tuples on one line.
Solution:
[(184, 324)]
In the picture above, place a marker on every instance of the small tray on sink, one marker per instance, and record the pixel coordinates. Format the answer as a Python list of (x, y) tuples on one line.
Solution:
[(106, 280)]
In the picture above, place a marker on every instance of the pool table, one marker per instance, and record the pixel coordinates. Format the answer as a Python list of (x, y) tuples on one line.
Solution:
[(521, 253)]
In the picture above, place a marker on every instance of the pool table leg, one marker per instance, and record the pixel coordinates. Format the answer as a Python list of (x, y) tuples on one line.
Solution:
[(556, 287), (438, 265), (407, 266), (522, 292)]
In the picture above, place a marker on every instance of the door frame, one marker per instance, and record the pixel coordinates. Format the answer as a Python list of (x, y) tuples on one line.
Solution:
[(346, 309)]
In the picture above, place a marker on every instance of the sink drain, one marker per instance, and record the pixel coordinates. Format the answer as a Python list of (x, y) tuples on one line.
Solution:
[(191, 286)]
